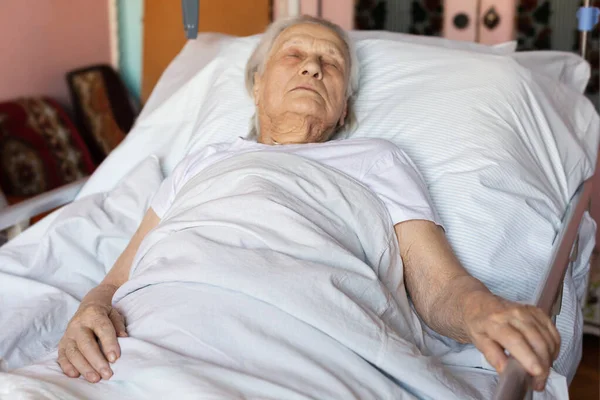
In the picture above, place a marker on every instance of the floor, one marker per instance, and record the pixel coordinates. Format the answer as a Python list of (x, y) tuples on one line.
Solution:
[(586, 384)]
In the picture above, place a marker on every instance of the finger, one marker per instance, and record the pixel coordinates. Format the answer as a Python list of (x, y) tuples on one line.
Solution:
[(553, 348), (493, 353), (513, 341), (540, 346), (80, 363), (118, 322), (551, 329), (105, 331), (64, 363), (539, 384), (87, 345)]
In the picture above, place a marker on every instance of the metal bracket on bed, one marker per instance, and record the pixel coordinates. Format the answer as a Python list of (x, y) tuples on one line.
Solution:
[(14, 215), (514, 382)]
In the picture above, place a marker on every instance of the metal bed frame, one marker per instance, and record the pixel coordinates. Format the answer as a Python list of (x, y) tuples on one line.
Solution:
[(514, 382)]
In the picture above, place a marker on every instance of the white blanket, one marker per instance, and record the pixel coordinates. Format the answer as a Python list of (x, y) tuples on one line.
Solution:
[(288, 269), (271, 277)]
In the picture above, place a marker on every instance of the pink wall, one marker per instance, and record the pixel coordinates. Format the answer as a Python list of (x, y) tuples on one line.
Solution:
[(43, 39), (339, 11)]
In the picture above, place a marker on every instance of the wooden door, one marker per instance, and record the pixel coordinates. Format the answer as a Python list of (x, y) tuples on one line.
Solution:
[(164, 35)]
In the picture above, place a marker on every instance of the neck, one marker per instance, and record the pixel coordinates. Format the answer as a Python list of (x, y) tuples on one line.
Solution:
[(292, 128)]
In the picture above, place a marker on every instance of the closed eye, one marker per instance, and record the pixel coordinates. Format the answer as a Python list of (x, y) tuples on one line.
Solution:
[(330, 64)]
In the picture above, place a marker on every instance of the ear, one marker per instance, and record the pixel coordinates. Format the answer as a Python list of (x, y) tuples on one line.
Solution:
[(256, 88), (344, 114)]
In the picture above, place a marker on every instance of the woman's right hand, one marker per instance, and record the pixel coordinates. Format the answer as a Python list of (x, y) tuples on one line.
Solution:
[(79, 352)]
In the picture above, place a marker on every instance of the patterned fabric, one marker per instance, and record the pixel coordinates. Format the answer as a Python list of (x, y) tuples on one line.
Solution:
[(370, 14), (40, 149), (533, 25), (102, 107), (427, 17), (94, 101)]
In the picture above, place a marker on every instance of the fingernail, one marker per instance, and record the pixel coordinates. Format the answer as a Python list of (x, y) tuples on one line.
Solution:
[(92, 377), (72, 373), (106, 373), (112, 357), (123, 334)]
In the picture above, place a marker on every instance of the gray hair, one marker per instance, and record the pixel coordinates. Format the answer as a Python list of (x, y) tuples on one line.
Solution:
[(257, 61)]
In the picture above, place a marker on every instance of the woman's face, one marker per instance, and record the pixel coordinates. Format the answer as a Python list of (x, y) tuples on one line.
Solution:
[(301, 94)]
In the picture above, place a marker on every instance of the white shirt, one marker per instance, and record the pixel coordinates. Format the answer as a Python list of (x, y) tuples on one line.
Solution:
[(377, 164)]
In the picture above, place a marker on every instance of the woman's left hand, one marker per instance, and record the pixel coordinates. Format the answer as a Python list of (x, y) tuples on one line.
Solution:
[(494, 325)]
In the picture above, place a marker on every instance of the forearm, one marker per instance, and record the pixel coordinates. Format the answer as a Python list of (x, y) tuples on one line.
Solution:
[(119, 273), (457, 305), (440, 288), (451, 305), (100, 295)]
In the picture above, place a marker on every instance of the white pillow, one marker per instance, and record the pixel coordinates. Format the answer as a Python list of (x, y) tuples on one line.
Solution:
[(499, 49), (199, 52), (568, 68)]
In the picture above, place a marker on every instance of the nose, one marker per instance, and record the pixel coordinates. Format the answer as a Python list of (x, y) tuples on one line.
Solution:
[(312, 67)]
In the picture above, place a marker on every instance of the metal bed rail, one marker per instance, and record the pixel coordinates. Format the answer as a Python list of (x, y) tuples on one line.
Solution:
[(15, 214), (514, 382)]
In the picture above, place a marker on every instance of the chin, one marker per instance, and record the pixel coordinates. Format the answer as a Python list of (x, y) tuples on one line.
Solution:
[(307, 107)]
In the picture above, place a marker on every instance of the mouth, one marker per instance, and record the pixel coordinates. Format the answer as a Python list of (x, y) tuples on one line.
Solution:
[(303, 87)]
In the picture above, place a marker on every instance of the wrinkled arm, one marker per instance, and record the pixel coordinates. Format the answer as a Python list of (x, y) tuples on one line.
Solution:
[(457, 305), (119, 273), (436, 282), (90, 340)]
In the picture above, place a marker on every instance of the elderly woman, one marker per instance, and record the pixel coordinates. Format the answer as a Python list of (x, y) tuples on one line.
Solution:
[(302, 77)]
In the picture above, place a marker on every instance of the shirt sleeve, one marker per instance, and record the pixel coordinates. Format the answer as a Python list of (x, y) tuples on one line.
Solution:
[(396, 181)]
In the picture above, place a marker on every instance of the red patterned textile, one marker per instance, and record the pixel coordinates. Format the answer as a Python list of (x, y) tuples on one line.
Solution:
[(40, 148), (102, 108)]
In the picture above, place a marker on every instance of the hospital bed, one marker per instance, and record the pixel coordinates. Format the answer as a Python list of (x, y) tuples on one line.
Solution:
[(173, 110)]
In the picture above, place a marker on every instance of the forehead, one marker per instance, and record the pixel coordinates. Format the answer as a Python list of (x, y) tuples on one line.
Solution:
[(311, 34)]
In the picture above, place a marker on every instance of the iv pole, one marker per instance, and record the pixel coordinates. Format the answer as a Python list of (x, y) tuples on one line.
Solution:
[(190, 9)]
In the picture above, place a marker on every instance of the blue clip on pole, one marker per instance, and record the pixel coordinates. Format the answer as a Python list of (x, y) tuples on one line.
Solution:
[(588, 18), (190, 17)]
